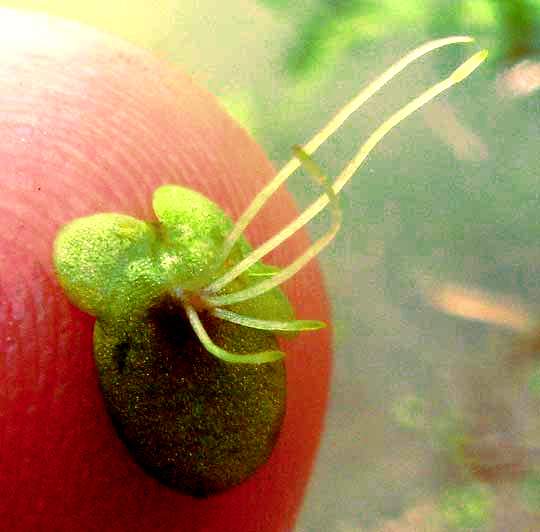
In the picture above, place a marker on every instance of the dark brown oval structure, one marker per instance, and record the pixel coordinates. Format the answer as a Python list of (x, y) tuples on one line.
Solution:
[(192, 421)]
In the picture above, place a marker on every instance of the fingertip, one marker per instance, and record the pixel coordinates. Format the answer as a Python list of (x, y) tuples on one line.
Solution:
[(92, 124)]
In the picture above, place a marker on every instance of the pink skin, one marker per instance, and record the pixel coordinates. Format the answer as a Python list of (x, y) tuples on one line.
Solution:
[(91, 124)]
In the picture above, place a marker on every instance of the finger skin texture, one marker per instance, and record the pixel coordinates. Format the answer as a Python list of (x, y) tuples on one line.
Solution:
[(92, 124)]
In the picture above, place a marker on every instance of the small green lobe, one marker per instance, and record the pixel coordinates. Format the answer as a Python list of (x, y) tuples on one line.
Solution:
[(105, 263)]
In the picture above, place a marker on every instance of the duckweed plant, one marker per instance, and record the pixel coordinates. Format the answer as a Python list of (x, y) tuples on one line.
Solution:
[(187, 314)]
